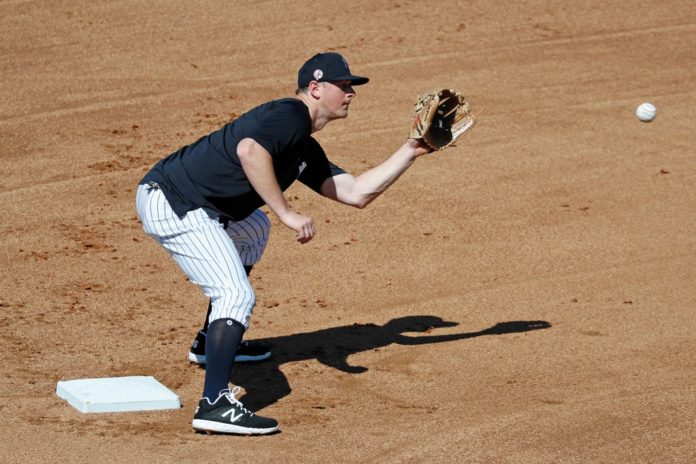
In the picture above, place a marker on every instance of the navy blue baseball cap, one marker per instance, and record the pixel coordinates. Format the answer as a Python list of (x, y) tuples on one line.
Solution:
[(326, 67)]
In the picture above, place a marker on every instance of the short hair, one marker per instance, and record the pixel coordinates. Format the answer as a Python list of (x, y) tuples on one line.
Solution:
[(305, 90)]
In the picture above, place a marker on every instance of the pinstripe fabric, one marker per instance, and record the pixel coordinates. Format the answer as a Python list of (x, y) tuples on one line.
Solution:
[(250, 236), (210, 257)]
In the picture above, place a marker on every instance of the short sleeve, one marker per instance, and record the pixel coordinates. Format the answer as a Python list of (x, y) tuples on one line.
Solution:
[(316, 167), (284, 126)]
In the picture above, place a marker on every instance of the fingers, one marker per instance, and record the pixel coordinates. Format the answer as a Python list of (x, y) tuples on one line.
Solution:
[(306, 232), (302, 225)]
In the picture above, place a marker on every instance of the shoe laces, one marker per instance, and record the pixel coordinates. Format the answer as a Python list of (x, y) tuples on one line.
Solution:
[(231, 396)]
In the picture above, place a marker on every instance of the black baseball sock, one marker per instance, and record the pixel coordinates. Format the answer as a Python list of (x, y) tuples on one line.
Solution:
[(224, 336), (210, 305), (207, 316)]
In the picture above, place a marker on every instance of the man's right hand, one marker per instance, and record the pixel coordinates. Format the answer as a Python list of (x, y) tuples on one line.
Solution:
[(302, 225)]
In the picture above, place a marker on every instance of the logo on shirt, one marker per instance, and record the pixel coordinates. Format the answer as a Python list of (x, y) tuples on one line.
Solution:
[(302, 167)]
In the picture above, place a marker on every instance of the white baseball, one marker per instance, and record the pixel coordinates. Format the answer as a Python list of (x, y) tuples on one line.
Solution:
[(646, 112)]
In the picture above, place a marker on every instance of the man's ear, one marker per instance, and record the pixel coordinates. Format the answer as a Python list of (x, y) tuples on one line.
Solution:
[(314, 89)]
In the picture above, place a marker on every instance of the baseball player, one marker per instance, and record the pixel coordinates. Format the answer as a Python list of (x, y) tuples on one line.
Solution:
[(201, 203)]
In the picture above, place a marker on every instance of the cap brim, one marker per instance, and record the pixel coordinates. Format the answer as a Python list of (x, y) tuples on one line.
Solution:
[(354, 80), (357, 80)]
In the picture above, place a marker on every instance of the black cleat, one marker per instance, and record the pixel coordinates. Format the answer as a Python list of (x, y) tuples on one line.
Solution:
[(228, 415)]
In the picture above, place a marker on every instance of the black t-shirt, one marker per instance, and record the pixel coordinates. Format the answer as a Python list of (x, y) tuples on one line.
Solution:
[(208, 174)]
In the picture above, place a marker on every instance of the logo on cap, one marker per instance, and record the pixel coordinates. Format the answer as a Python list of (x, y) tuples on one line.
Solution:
[(318, 74)]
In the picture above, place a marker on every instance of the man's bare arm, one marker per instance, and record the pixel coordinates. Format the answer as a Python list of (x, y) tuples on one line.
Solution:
[(361, 190), (258, 167)]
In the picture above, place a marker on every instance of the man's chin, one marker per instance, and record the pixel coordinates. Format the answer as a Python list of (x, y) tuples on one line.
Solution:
[(340, 115)]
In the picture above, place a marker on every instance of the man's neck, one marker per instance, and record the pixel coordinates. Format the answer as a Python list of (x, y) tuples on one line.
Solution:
[(318, 121)]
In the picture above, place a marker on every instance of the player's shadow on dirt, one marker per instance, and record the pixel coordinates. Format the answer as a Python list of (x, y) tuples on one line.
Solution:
[(266, 383)]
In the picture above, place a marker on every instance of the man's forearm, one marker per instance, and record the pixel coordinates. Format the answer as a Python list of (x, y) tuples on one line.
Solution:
[(373, 182)]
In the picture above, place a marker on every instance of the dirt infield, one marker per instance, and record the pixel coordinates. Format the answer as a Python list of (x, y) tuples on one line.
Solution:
[(525, 297)]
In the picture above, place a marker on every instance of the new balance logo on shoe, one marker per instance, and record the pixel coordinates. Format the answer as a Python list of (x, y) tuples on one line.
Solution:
[(230, 413)]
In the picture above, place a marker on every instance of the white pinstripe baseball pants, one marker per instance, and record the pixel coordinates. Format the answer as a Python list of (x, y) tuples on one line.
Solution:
[(210, 255)]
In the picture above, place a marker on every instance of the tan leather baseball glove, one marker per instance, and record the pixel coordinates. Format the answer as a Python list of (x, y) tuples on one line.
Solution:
[(442, 117)]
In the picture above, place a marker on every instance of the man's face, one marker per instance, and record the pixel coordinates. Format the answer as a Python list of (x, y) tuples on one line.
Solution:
[(336, 97)]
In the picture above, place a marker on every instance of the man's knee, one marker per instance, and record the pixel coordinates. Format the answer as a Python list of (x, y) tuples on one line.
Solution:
[(250, 236), (233, 303), (261, 228)]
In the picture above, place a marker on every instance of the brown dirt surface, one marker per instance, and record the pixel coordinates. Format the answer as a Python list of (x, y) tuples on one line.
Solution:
[(526, 296)]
